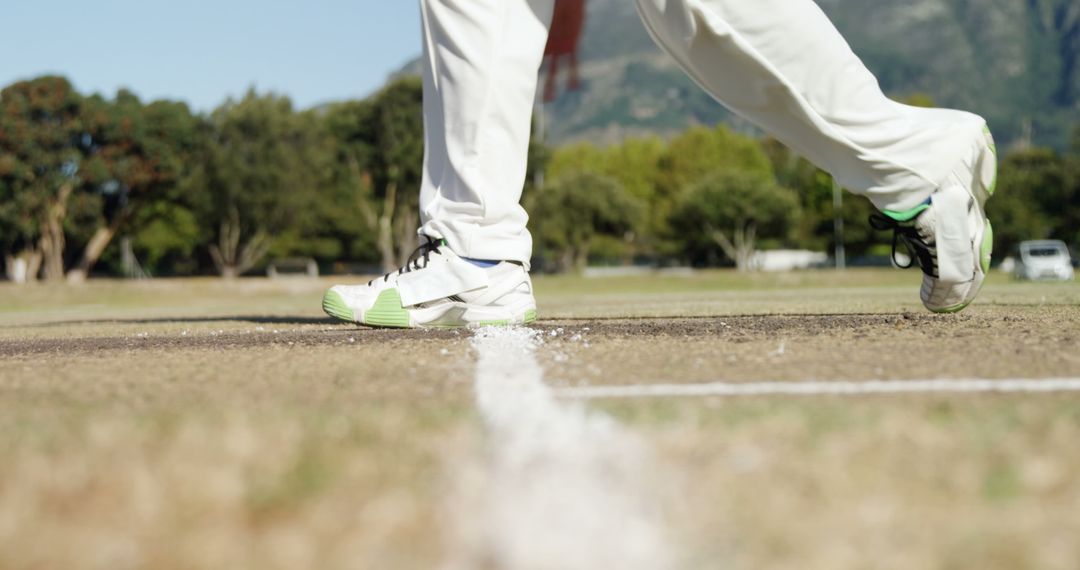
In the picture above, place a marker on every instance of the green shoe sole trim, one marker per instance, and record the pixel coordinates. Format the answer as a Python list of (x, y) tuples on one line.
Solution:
[(907, 215), (499, 323), (387, 311), (953, 309), (530, 316), (335, 306)]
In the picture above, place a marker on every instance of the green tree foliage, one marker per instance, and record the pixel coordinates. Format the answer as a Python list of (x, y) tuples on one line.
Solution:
[(634, 164), (257, 179), (571, 214), (348, 208), (656, 173), (263, 170), (380, 155), (166, 226), (1069, 224), (166, 236), (694, 155), (77, 169), (814, 227), (701, 151), (41, 140), (1038, 197), (730, 210), (138, 155)]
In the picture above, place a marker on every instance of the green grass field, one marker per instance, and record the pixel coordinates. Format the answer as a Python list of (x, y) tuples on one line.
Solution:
[(207, 424)]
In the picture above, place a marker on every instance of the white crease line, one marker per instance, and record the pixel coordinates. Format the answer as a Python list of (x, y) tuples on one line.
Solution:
[(816, 388), (564, 487)]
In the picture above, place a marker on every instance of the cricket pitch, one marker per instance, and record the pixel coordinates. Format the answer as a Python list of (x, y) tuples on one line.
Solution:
[(205, 424)]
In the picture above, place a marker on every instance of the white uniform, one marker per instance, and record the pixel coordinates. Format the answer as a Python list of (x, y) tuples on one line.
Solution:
[(779, 63)]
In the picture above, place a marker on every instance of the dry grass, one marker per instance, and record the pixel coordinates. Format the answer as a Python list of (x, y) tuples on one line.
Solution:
[(195, 424), (946, 483), (255, 458)]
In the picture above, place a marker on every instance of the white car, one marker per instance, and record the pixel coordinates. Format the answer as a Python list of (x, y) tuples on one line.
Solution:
[(1044, 260)]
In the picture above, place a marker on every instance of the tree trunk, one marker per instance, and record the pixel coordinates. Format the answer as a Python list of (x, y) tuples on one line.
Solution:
[(14, 268), (385, 239), (405, 234), (566, 260), (741, 248), (581, 257), (253, 252), (92, 253), (230, 258), (51, 242), (128, 261), (224, 252), (23, 267)]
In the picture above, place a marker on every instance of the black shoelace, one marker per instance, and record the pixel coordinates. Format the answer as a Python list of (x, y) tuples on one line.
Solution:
[(918, 250), (418, 259)]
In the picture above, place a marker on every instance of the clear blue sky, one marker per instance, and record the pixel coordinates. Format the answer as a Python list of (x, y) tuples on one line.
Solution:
[(202, 51)]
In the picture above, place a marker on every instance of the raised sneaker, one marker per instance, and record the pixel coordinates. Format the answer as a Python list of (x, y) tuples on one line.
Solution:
[(949, 235), (437, 288)]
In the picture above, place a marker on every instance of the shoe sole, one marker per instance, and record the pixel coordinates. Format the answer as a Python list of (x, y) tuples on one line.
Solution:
[(387, 312), (986, 248), (335, 306)]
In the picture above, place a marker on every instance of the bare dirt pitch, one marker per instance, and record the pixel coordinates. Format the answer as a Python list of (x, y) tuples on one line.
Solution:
[(198, 424)]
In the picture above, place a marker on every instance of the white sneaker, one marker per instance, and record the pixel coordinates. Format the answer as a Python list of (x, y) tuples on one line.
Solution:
[(949, 235), (436, 288)]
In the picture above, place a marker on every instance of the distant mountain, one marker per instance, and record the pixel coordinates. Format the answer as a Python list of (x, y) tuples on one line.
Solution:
[(1016, 62)]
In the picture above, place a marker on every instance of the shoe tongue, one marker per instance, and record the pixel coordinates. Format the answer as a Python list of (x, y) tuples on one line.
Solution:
[(925, 224), (953, 234)]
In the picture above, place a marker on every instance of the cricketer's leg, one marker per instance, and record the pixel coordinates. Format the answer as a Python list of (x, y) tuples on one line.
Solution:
[(481, 59), (784, 66), (481, 64)]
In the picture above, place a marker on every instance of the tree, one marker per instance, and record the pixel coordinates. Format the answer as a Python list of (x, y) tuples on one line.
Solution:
[(732, 209), (354, 214), (1030, 181), (380, 146), (1033, 201), (18, 224), (263, 167), (165, 235), (397, 135), (699, 152), (137, 155), (568, 215), (635, 165), (41, 151), (1069, 228), (693, 155), (814, 228), (656, 173)]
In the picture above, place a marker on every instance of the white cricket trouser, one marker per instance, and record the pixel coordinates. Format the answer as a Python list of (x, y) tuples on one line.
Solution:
[(778, 63)]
